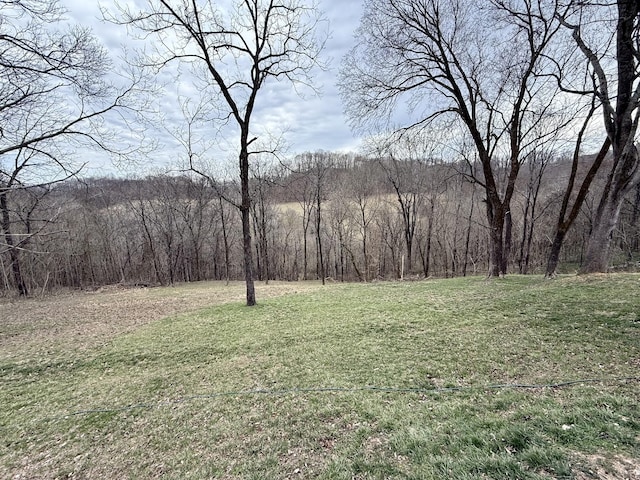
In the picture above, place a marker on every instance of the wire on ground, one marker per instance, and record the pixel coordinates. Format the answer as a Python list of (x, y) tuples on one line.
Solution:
[(289, 391)]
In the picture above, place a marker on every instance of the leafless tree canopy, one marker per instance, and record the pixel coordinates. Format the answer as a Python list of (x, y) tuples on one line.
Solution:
[(483, 63), (234, 48), (54, 85), (517, 74), (54, 94)]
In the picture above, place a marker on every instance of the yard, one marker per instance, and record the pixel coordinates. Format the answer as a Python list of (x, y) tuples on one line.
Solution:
[(460, 378)]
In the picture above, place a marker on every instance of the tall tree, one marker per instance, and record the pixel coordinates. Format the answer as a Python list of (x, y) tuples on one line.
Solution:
[(621, 112), (55, 91), (235, 49), (479, 61), (569, 210)]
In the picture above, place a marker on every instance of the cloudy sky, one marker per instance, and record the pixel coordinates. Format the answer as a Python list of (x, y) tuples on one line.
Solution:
[(311, 122)]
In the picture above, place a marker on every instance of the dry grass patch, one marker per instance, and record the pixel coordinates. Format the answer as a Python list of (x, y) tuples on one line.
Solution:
[(83, 319)]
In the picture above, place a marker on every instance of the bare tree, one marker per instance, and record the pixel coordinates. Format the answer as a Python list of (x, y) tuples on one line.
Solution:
[(319, 166), (235, 49), (572, 201), (304, 191), (55, 92), (21, 219), (404, 161), (481, 62), (621, 114), (362, 191)]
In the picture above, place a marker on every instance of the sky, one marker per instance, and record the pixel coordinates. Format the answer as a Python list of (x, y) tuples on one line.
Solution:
[(309, 122)]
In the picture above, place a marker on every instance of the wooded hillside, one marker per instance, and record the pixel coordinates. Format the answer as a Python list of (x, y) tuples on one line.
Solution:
[(367, 218)]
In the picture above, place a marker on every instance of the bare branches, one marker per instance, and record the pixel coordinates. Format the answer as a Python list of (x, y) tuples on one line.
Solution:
[(56, 90), (234, 50), (238, 48), (487, 65), (601, 89)]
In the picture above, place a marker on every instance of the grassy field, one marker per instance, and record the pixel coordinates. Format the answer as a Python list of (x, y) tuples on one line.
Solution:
[(517, 378)]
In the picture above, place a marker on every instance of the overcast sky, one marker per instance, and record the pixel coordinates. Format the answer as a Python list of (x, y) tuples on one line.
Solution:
[(311, 123)]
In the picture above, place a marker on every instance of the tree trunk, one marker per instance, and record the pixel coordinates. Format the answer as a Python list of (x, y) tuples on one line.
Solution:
[(563, 224), (621, 181), (554, 253), (14, 253), (634, 218), (496, 218), (598, 251), (506, 244), (624, 173), (245, 211), (525, 229)]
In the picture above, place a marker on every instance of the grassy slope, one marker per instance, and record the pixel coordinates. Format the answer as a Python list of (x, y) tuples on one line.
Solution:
[(166, 412)]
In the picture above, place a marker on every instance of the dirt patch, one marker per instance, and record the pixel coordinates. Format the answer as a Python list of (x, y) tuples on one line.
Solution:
[(88, 319), (614, 468)]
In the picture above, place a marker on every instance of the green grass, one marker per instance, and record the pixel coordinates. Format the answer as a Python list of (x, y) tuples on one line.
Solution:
[(388, 380)]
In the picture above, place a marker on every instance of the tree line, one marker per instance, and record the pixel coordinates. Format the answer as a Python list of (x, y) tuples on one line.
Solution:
[(326, 216)]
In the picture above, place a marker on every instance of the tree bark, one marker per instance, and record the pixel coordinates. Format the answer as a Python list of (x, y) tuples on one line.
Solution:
[(598, 252), (564, 223), (14, 253), (495, 218), (554, 253), (621, 129), (245, 213)]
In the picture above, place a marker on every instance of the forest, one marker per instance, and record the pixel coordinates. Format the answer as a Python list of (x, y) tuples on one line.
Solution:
[(518, 155), (332, 216)]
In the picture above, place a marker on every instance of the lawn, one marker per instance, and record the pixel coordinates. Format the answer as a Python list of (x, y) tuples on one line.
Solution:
[(461, 378)]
